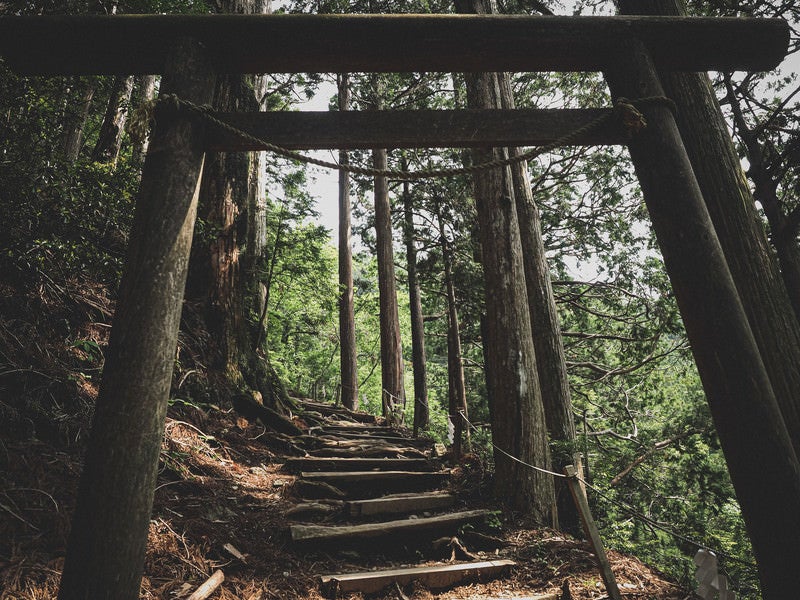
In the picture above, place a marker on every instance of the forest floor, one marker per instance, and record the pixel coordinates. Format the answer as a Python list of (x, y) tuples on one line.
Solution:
[(221, 502), (220, 486)]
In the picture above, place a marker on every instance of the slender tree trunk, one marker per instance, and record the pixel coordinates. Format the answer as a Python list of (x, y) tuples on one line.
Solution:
[(106, 548), (75, 121), (393, 394), (518, 422), (456, 386), (393, 389), (347, 322), (110, 139), (550, 359), (760, 456), (417, 326), (147, 91), (740, 231)]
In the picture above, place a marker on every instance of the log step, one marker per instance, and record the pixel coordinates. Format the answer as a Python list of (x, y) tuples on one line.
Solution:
[(404, 527), (399, 503), (339, 411), (373, 482), (394, 438), (358, 428), (437, 577), (316, 463), (371, 451)]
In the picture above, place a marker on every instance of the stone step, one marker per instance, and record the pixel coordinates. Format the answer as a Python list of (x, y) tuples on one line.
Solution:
[(316, 463), (435, 577), (399, 504), (405, 528)]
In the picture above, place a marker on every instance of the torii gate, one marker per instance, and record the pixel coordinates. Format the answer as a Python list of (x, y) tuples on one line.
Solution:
[(190, 50)]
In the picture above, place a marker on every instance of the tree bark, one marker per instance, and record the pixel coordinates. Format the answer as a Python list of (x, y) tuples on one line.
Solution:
[(738, 226), (147, 91), (550, 358), (75, 121), (417, 326), (393, 394), (110, 139), (223, 197), (456, 386), (760, 456), (518, 423), (105, 553), (347, 323)]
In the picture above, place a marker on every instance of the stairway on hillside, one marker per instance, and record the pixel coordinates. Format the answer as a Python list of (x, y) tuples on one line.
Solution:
[(374, 487)]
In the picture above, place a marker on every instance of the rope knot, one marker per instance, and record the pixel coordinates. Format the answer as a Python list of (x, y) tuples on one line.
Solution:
[(631, 118), (141, 119)]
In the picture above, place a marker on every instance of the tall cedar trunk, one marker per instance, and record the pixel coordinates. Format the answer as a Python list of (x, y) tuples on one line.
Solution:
[(760, 456), (393, 394), (456, 386), (147, 91), (347, 323), (255, 243), (75, 121), (518, 423), (730, 204), (223, 194), (106, 548), (550, 358), (765, 184), (233, 202), (417, 326), (110, 139)]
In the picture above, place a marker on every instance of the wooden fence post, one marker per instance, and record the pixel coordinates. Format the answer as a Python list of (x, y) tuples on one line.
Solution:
[(592, 533), (106, 549)]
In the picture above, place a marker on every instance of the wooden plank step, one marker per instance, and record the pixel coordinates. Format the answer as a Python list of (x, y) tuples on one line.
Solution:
[(337, 411), (358, 428), (396, 439), (356, 533), (436, 577), (371, 451), (399, 503), (318, 463), (366, 483)]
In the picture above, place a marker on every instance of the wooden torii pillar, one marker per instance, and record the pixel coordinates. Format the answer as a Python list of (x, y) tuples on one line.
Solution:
[(763, 465)]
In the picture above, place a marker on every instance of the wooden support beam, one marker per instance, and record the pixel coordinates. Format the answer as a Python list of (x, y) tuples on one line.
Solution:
[(106, 549), (138, 44), (437, 577), (758, 450), (412, 129)]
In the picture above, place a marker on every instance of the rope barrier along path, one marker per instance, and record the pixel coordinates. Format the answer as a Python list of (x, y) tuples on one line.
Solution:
[(626, 112), (628, 509), (514, 458)]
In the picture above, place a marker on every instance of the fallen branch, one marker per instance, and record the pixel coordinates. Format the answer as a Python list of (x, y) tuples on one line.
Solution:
[(208, 588)]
